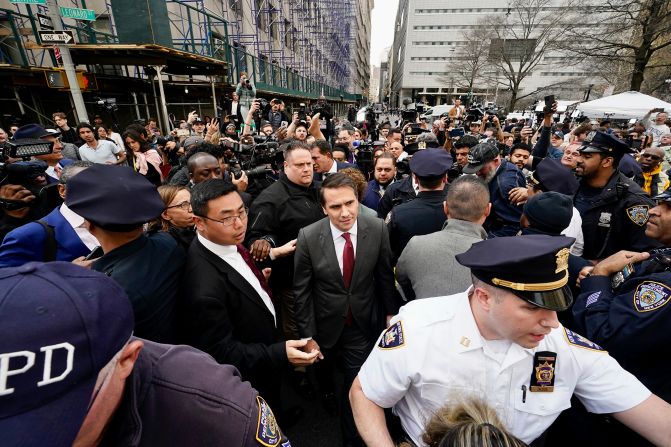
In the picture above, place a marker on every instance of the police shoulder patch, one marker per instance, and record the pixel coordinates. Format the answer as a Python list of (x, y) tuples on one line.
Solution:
[(393, 337), (651, 295), (267, 431), (638, 214), (580, 341)]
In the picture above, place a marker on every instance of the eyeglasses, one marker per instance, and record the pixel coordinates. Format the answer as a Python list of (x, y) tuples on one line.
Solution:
[(650, 156), (228, 221), (183, 205)]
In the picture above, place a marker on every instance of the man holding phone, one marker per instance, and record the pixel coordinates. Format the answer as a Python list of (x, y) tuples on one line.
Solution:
[(657, 127)]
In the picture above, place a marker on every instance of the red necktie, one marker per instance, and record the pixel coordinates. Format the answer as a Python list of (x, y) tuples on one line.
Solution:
[(347, 260), (347, 270), (248, 260)]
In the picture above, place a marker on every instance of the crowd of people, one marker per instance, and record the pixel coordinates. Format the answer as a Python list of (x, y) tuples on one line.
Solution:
[(470, 281)]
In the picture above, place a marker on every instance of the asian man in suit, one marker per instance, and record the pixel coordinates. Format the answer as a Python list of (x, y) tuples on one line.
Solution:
[(228, 310), (344, 288)]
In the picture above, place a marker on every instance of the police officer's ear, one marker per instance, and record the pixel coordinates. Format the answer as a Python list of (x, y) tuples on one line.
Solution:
[(61, 191), (482, 298), (607, 162), (128, 357)]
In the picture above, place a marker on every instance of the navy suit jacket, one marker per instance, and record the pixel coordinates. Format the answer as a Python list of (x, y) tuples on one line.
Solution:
[(319, 177), (26, 243)]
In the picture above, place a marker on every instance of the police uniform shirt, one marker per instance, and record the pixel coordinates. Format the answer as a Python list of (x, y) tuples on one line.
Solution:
[(433, 353)]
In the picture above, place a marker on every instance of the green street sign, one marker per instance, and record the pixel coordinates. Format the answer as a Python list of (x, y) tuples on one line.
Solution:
[(77, 14), (30, 2)]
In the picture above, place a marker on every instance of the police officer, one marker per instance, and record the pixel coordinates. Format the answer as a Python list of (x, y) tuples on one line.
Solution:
[(623, 307), (73, 374), (614, 209), (499, 340), (502, 176), (116, 202), (398, 192), (425, 214)]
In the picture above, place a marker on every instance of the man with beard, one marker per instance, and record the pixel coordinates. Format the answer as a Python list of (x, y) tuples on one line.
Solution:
[(502, 176), (384, 172), (613, 208)]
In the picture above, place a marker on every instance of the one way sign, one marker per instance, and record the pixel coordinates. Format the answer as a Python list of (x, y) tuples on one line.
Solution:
[(57, 37)]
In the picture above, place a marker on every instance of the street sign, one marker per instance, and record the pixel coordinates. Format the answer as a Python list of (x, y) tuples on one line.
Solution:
[(78, 14), (45, 21), (57, 37), (30, 2)]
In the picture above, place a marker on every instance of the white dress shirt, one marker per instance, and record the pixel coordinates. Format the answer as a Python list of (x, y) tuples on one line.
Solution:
[(339, 241), (229, 254), (333, 170), (77, 223)]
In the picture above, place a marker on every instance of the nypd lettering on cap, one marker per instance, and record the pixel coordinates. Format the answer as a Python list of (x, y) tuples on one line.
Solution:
[(393, 337), (580, 341), (25, 360), (638, 214), (650, 296), (267, 431)]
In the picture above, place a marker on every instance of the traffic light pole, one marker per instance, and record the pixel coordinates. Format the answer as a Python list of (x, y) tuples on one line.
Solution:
[(75, 91)]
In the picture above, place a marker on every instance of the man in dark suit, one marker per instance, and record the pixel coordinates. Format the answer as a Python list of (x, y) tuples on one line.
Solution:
[(232, 109), (344, 286), (228, 309), (66, 240), (324, 164)]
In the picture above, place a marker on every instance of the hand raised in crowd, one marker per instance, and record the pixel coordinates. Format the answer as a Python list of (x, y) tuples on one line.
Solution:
[(618, 261), (260, 250), (240, 183), (16, 192), (285, 250), (526, 132), (281, 133), (255, 106), (299, 358), (212, 127), (192, 116), (518, 196), (294, 117), (170, 145)]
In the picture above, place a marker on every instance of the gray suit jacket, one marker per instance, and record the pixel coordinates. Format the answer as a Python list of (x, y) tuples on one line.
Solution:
[(321, 297), (427, 267)]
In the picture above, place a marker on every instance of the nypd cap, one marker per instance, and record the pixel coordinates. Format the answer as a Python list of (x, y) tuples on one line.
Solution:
[(115, 198), (533, 267), (430, 162), (597, 141)]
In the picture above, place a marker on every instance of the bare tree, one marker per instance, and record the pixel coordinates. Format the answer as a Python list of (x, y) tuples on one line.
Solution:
[(627, 34), (521, 38), (470, 60)]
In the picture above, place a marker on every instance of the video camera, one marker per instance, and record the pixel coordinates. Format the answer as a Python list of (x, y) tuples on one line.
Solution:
[(106, 104), (477, 111), (254, 158)]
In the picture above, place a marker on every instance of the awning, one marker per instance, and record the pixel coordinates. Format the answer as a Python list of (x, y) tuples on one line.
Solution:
[(176, 62)]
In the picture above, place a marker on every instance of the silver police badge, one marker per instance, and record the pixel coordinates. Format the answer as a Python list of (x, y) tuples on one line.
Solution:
[(651, 295), (638, 214), (604, 220)]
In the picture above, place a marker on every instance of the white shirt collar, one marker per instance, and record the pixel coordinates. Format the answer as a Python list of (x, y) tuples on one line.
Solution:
[(220, 250), (336, 233), (334, 167), (74, 219)]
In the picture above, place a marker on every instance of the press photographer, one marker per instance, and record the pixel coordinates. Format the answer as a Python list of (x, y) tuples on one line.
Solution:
[(22, 181)]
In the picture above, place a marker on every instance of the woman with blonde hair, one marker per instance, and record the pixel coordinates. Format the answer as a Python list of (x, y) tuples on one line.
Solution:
[(177, 217), (472, 423)]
